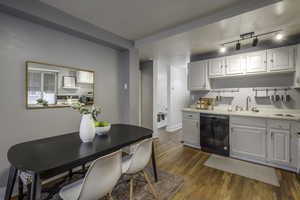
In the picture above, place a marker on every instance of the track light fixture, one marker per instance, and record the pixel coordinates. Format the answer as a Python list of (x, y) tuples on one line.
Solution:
[(255, 42), (238, 46), (251, 35)]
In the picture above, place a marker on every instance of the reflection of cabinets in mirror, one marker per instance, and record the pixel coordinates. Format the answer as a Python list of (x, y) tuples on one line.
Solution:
[(85, 77), (69, 82)]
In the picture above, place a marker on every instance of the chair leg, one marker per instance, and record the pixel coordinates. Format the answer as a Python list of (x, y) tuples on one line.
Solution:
[(153, 191), (131, 189)]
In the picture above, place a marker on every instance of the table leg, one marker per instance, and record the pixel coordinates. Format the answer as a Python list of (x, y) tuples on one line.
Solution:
[(28, 191), (10, 182), (154, 163), (36, 187)]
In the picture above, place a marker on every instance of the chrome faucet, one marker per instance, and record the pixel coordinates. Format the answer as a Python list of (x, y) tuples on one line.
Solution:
[(248, 100)]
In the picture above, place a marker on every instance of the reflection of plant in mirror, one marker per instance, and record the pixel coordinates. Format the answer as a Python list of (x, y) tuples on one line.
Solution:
[(42, 102), (94, 110)]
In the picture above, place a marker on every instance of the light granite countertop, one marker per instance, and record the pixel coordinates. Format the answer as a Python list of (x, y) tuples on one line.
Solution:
[(270, 114)]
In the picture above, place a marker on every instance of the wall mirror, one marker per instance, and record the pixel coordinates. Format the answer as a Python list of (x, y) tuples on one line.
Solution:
[(54, 86)]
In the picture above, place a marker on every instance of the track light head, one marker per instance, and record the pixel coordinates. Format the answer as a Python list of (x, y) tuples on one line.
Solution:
[(255, 42), (279, 36), (238, 46), (223, 49)]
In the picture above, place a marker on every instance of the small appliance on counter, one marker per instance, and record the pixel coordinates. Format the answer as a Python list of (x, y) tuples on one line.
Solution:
[(205, 104)]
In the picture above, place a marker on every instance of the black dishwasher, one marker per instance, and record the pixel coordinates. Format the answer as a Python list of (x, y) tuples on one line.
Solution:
[(214, 133)]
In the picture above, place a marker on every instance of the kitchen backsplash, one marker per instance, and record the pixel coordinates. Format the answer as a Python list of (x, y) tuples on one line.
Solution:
[(245, 87)]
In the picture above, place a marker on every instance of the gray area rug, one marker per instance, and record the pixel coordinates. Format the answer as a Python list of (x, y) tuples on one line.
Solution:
[(167, 187), (242, 168)]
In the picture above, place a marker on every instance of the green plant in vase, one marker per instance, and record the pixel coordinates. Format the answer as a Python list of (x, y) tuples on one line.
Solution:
[(88, 116), (42, 102)]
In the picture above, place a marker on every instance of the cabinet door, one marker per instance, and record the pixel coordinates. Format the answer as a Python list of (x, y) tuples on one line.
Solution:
[(85, 77), (191, 131), (281, 59), (216, 67), (248, 142), (297, 74), (197, 76), (279, 146), (256, 62), (235, 65)]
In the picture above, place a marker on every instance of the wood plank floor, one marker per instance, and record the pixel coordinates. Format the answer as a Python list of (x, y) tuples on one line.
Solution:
[(204, 183)]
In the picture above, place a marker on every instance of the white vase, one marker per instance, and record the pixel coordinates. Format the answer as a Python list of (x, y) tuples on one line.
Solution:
[(87, 128)]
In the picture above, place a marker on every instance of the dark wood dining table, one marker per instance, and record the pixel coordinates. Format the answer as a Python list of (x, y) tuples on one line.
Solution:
[(52, 156)]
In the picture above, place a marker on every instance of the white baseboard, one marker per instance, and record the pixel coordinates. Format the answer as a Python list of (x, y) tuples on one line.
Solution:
[(265, 163), (174, 128)]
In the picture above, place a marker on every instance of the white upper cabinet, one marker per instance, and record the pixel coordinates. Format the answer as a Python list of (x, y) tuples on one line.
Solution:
[(281, 59), (85, 77), (216, 67), (197, 76), (235, 65), (256, 62)]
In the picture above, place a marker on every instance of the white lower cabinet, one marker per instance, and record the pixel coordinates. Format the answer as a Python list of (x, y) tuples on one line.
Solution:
[(249, 142), (266, 141), (279, 146), (191, 129)]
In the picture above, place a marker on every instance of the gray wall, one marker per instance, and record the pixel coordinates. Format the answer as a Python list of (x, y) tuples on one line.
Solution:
[(147, 94), (20, 41), (41, 13)]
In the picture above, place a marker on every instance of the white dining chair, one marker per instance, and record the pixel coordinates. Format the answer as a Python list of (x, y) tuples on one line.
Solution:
[(99, 181), (136, 164)]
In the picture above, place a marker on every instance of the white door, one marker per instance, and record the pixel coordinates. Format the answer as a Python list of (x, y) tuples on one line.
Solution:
[(256, 62), (279, 146), (197, 75), (191, 132), (248, 142), (177, 97), (281, 59), (216, 67), (235, 65)]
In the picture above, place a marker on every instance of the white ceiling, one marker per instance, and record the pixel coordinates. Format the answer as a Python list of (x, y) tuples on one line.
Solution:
[(283, 15), (135, 19)]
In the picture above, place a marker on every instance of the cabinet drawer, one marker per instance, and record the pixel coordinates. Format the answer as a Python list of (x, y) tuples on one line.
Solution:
[(279, 124), (249, 121), (191, 115)]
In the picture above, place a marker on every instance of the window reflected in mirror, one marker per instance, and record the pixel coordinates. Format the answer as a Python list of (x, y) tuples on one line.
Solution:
[(57, 86)]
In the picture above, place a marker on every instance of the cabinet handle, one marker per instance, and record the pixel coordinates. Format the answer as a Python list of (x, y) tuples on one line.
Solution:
[(197, 124), (272, 135), (272, 60)]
